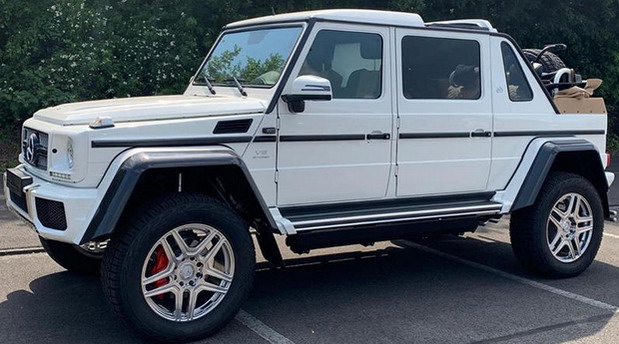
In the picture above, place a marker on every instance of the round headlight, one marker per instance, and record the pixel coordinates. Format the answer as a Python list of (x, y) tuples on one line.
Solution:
[(70, 153)]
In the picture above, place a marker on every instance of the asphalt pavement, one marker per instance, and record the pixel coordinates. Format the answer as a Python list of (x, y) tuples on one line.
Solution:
[(465, 289)]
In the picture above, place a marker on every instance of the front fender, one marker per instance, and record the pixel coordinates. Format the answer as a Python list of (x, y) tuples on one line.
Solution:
[(132, 164)]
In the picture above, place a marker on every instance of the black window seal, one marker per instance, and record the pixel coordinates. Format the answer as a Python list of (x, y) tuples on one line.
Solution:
[(504, 43), (481, 73), (245, 29), (382, 59)]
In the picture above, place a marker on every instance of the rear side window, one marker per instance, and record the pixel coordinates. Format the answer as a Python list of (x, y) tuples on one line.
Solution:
[(440, 68), (517, 84), (351, 61)]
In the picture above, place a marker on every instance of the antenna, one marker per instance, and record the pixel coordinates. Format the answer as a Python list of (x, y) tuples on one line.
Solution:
[(273, 10)]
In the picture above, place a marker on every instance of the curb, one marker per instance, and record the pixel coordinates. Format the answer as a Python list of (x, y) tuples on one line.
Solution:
[(19, 251)]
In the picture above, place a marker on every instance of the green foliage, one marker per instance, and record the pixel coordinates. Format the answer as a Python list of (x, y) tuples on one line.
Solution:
[(56, 51), (221, 68)]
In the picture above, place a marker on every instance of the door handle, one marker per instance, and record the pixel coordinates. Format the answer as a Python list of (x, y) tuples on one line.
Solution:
[(377, 135), (481, 133)]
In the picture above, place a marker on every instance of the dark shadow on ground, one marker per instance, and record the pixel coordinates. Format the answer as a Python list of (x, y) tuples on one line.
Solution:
[(394, 295)]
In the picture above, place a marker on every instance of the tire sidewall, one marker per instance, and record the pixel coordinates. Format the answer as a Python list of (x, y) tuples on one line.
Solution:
[(134, 303), (547, 202)]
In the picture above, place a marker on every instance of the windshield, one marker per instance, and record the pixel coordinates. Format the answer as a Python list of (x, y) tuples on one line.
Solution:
[(254, 58)]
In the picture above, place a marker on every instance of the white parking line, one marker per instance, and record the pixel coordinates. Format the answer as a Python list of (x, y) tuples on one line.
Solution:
[(263, 330), (615, 236), (522, 280)]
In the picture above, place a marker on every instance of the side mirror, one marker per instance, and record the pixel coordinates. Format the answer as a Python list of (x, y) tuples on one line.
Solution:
[(307, 87)]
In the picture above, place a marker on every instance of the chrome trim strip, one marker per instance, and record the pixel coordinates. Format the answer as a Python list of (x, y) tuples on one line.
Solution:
[(399, 214), (395, 220)]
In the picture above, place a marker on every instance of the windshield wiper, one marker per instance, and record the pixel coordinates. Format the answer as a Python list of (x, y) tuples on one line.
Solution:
[(238, 86), (208, 84)]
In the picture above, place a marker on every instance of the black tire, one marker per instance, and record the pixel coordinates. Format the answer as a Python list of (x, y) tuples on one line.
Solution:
[(121, 272), (550, 62), (529, 225), (72, 257)]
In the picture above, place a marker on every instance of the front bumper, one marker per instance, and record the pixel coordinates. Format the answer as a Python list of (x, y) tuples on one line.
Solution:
[(78, 207)]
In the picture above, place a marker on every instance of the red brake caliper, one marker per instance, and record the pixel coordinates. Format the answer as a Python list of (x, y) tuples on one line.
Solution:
[(161, 262)]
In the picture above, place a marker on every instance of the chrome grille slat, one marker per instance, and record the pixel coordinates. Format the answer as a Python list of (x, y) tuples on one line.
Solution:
[(38, 154)]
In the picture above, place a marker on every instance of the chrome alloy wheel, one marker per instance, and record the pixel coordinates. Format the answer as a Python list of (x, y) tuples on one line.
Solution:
[(188, 272), (570, 227)]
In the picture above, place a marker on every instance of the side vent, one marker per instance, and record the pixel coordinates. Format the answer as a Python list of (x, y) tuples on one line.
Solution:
[(230, 127)]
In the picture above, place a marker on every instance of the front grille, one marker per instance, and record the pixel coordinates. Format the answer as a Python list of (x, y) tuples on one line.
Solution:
[(51, 214), (19, 201), (34, 148)]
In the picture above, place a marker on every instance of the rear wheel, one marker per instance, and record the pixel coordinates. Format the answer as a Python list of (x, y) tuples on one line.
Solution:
[(560, 234), (181, 269), (85, 259)]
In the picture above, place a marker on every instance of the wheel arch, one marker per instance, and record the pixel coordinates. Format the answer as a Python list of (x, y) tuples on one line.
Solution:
[(577, 156), (214, 171)]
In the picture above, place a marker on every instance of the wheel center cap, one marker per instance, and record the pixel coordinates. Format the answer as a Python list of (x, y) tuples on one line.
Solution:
[(186, 271), (566, 226)]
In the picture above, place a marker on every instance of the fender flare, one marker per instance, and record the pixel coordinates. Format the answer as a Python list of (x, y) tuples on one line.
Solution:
[(543, 163), (117, 195)]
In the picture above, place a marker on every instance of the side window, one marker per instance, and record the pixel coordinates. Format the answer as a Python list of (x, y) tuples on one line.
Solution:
[(517, 84), (351, 61), (440, 68)]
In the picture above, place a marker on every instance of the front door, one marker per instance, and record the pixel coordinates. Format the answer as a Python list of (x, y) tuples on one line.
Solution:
[(445, 113), (339, 150)]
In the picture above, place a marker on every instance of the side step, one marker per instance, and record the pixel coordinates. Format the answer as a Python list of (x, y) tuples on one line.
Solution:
[(303, 242), (330, 225), (310, 218)]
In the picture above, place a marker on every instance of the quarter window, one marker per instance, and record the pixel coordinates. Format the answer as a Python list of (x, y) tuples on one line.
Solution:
[(351, 61), (440, 68), (517, 84)]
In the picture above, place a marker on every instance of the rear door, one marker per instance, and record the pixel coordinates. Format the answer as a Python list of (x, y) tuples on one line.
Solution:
[(445, 112)]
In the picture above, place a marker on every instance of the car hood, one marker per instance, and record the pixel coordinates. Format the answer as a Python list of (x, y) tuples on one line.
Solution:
[(149, 109)]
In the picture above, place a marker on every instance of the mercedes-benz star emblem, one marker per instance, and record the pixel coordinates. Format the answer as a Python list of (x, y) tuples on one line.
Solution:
[(31, 145)]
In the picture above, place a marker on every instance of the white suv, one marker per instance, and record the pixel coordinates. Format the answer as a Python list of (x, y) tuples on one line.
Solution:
[(330, 127)]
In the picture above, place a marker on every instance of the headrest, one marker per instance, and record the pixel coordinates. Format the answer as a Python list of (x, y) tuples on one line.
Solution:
[(464, 75), (371, 48)]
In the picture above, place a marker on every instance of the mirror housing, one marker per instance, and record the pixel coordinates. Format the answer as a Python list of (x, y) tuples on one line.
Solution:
[(307, 87)]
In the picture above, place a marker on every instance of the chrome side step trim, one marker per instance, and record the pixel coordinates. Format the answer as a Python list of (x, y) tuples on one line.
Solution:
[(489, 209)]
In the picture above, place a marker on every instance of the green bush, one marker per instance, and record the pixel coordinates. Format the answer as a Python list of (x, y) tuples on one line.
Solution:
[(59, 51)]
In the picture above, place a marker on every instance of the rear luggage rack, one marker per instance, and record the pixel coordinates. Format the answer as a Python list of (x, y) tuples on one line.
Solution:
[(471, 24)]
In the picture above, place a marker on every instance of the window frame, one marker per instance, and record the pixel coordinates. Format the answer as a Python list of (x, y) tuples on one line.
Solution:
[(524, 76), (381, 92), (479, 56), (295, 46)]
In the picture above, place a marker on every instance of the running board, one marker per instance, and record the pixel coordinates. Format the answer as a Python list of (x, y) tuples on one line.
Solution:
[(303, 242), (402, 216), (312, 218)]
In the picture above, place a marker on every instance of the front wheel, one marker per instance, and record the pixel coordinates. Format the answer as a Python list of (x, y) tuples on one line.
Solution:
[(181, 269), (560, 234)]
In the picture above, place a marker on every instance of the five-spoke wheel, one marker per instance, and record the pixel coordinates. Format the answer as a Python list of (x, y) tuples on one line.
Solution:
[(180, 270), (188, 272), (560, 234), (570, 226)]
